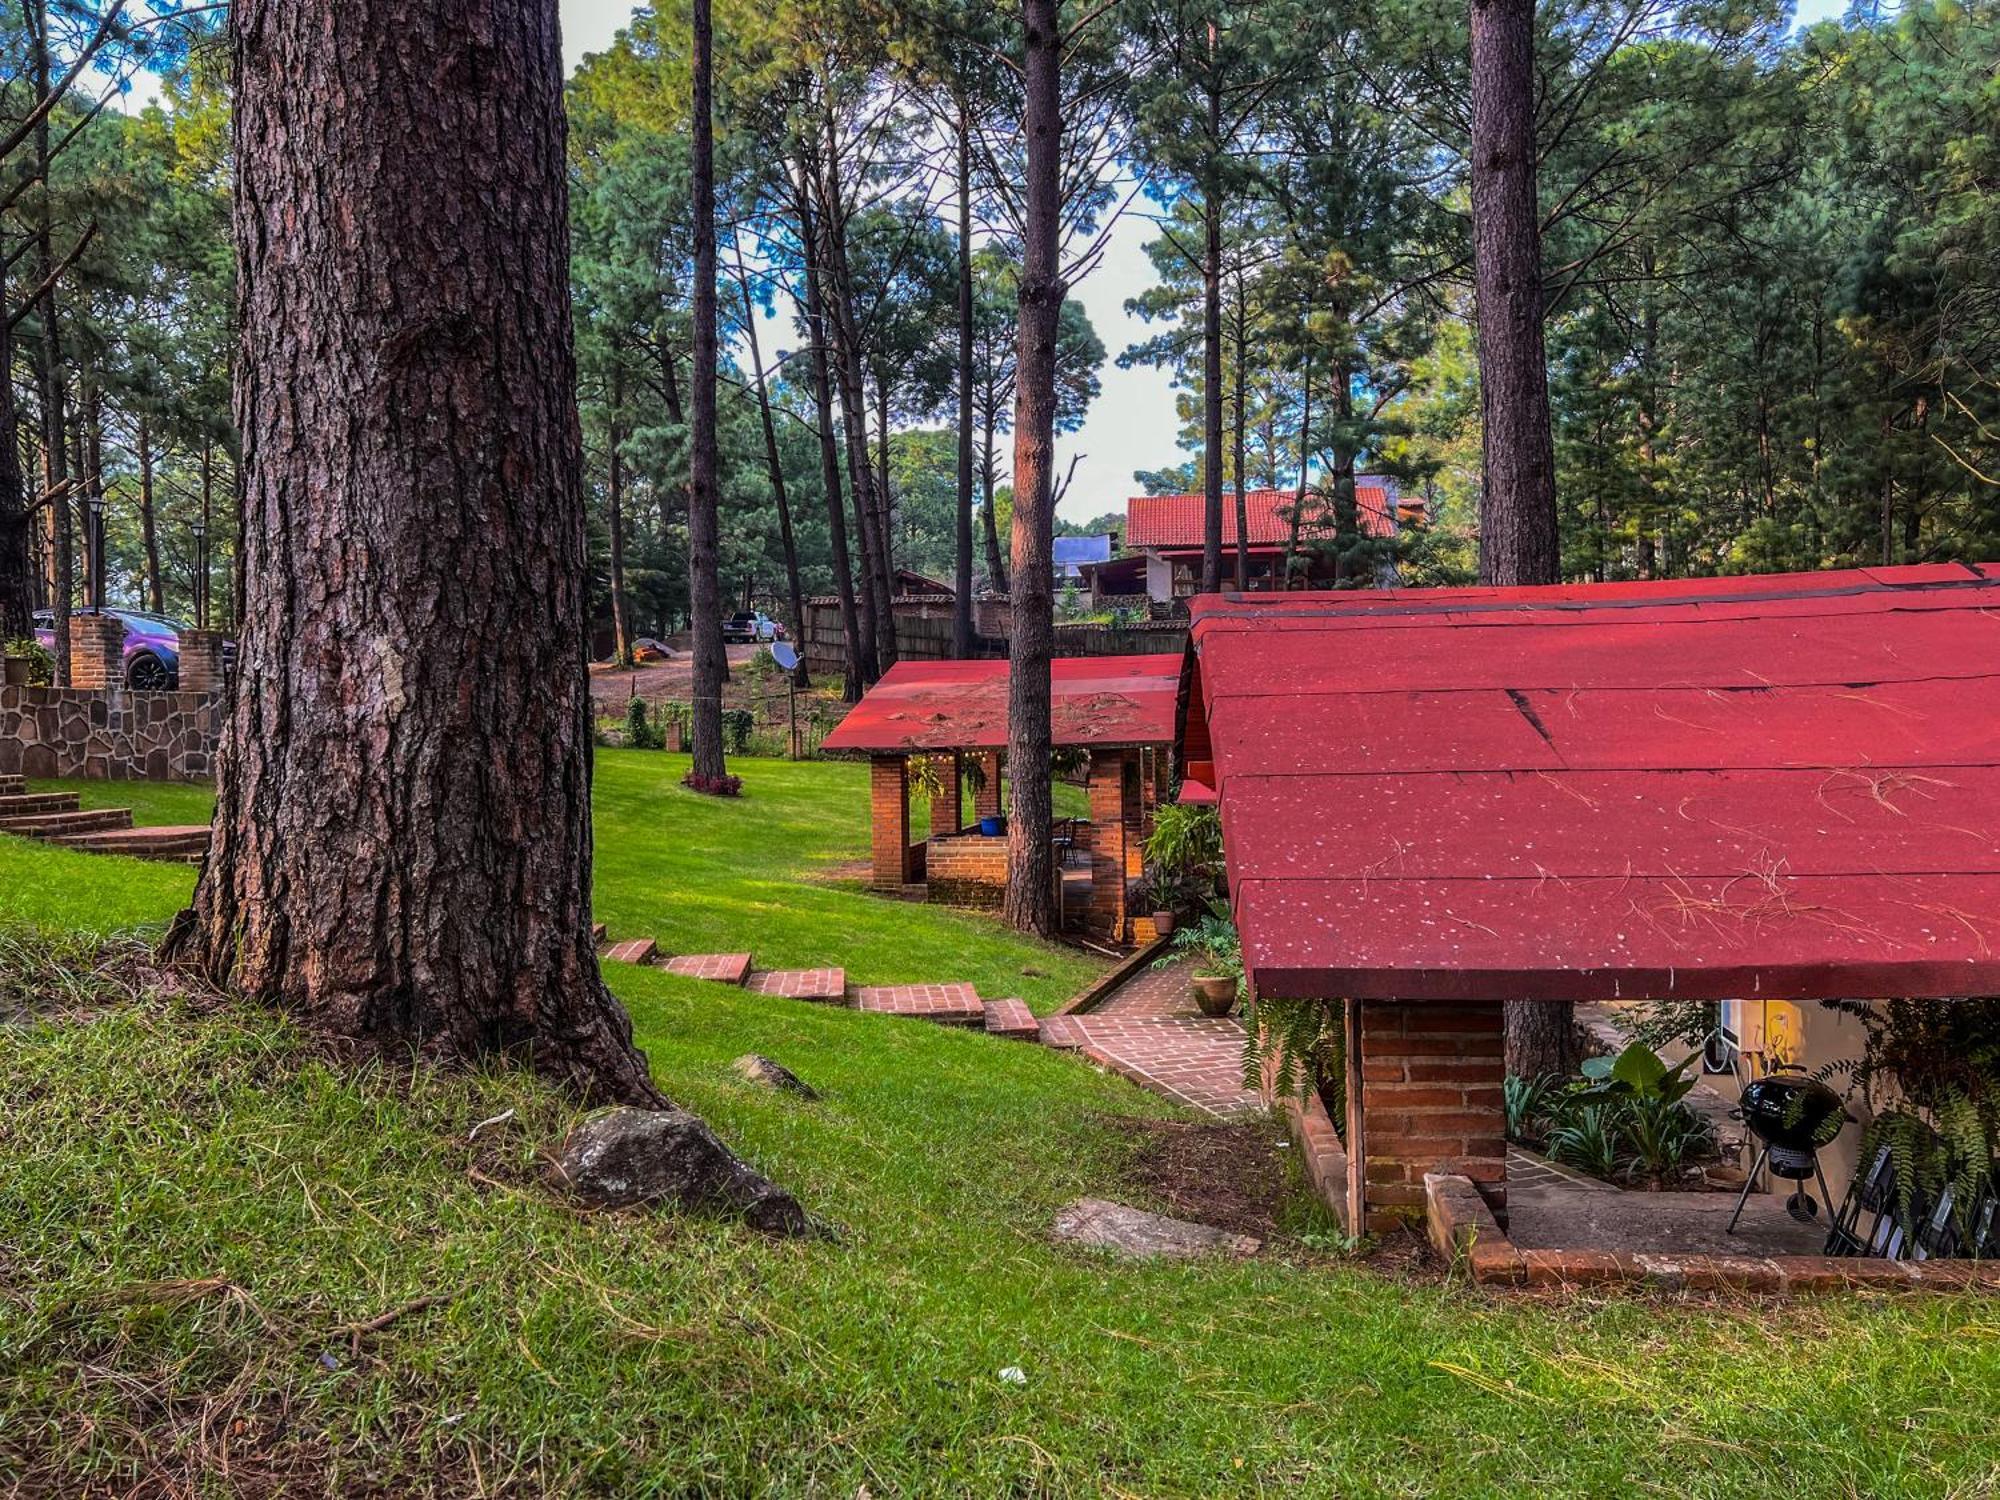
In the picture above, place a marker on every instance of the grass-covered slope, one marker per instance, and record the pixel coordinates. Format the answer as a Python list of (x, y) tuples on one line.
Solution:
[(778, 871), (197, 1211)]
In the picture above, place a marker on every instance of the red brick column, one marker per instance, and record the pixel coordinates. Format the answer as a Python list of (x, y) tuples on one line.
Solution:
[(1424, 1081), (1132, 812), (946, 807), (201, 661), (1107, 788), (96, 651), (986, 797), (889, 821)]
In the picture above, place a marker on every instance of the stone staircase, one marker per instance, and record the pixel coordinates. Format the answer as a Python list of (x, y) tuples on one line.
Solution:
[(944, 1004), (60, 818)]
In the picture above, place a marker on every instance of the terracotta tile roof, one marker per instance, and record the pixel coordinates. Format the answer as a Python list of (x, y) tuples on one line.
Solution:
[(1176, 520)]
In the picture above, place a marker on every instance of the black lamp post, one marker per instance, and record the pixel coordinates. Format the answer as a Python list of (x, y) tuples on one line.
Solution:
[(200, 530), (94, 508)]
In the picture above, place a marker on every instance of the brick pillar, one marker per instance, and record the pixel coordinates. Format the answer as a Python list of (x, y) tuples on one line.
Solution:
[(1424, 1081), (889, 821), (96, 651), (986, 799), (947, 806), (1107, 843), (1132, 813), (201, 661)]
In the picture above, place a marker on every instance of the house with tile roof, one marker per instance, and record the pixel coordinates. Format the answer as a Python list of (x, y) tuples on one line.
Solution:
[(1167, 531)]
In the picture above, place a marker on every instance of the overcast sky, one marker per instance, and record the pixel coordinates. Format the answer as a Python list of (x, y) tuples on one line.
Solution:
[(1132, 424)]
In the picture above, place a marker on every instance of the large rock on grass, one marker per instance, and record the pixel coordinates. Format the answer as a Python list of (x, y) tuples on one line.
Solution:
[(754, 1067), (1137, 1235), (624, 1157)]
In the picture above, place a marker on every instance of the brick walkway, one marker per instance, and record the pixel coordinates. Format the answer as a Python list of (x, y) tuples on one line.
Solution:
[(801, 984), (724, 968), (1149, 1031), (950, 1003)]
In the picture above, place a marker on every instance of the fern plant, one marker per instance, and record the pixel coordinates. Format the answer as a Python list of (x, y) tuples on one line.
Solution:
[(1304, 1045)]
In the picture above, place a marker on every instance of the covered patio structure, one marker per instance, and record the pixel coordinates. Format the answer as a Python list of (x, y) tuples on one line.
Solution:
[(1434, 802), (951, 718)]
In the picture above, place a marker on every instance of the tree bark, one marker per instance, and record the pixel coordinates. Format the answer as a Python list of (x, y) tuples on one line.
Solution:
[(1517, 502), (795, 596), (996, 569), (401, 852), (149, 531), (1518, 541), (961, 612), (1242, 424), (711, 657), (17, 553), (621, 624), (852, 637), (1211, 352), (1030, 900), (1305, 463), (55, 453)]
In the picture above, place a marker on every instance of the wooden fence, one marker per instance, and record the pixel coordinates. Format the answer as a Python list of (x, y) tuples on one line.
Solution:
[(923, 633)]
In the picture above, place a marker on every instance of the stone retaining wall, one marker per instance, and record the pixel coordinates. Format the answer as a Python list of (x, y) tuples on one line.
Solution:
[(109, 734)]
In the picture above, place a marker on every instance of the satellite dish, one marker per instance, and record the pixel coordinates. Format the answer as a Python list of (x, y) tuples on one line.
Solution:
[(783, 654)]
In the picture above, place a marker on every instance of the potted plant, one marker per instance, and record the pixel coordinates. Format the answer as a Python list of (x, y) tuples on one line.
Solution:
[(27, 662), (1218, 954)]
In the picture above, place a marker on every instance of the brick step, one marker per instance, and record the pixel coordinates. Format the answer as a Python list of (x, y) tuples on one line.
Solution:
[(1012, 1019), (56, 824), (180, 844), (948, 1004), (632, 951), (11, 785), (597, 932), (723, 968), (21, 804), (828, 986)]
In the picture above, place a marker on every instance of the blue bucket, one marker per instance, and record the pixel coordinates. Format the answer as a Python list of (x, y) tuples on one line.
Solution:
[(992, 827)]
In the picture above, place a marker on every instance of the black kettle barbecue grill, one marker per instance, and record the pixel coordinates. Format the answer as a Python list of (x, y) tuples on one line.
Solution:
[(1790, 1113)]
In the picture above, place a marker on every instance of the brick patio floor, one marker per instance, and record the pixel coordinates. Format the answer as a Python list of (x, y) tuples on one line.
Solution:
[(1149, 1031)]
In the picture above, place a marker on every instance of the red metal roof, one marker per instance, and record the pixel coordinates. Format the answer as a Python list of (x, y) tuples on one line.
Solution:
[(962, 705), (1784, 786), (1175, 521)]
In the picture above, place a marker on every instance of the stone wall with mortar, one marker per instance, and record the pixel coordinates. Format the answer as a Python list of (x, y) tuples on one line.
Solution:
[(109, 733)]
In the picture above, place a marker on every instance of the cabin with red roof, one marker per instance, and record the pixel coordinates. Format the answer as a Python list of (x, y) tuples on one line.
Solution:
[(1167, 531)]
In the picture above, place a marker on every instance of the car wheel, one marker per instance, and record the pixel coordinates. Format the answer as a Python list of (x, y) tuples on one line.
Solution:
[(146, 673)]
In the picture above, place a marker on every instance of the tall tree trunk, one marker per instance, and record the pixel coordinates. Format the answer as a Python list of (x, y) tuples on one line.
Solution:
[(711, 657), (996, 569), (855, 643), (1518, 543), (621, 623), (401, 850), (1211, 347), (794, 595), (149, 530), (1305, 463), (961, 611), (17, 550), (1030, 899), (885, 523), (55, 421), (1242, 419), (1517, 501)]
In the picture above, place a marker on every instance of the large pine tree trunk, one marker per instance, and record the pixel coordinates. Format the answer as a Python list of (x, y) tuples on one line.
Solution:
[(621, 622), (1030, 900), (1211, 370), (1241, 453), (401, 851), (1518, 543), (961, 610), (55, 452), (711, 657), (1517, 502), (794, 594), (17, 550), (149, 530), (996, 567), (852, 634)]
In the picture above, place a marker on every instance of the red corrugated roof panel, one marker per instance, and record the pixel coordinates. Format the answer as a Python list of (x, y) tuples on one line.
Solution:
[(1786, 786), (962, 705), (1175, 521)]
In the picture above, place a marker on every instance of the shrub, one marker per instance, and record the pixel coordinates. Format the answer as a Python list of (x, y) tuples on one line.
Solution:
[(639, 731), (737, 726), (41, 662)]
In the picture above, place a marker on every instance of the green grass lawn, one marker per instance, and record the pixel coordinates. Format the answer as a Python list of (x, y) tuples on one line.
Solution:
[(777, 871), (193, 1208)]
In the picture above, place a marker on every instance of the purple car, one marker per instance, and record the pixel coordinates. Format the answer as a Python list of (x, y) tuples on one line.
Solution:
[(152, 647)]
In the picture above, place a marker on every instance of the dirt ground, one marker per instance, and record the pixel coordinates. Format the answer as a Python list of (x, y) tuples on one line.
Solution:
[(613, 687)]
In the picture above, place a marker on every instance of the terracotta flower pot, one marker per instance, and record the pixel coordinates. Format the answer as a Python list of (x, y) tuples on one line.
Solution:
[(1163, 922), (1214, 994), (19, 669)]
